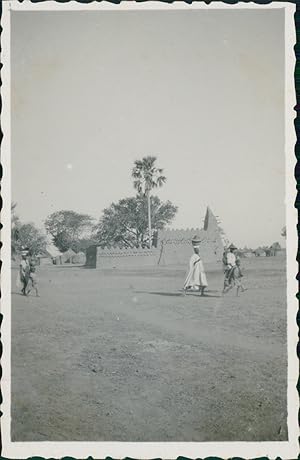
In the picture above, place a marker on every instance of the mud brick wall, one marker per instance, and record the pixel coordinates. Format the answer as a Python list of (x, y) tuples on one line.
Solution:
[(121, 258), (177, 246), (174, 247), (91, 257)]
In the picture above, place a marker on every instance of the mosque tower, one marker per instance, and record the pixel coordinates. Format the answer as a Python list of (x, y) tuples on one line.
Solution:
[(211, 224)]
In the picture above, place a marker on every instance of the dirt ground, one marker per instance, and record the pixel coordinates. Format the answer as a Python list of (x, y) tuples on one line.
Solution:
[(123, 356)]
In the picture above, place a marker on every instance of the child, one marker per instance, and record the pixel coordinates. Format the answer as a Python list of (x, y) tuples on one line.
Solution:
[(238, 279), (33, 278), (24, 271)]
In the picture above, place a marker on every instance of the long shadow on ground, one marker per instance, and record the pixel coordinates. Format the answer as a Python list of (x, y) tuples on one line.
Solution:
[(176, 294)]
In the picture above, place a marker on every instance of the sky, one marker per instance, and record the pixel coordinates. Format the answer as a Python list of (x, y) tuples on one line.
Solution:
[(203, 91)]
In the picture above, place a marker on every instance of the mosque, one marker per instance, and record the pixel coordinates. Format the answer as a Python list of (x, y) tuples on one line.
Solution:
[(172, 248)]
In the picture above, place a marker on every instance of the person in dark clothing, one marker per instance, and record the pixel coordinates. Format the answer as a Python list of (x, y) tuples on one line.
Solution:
[(33, 280)]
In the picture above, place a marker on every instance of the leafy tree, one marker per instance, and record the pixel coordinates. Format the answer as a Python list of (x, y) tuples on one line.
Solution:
[(125, 223), (82, 244), (147, 177), (31, 237), (67, 228)]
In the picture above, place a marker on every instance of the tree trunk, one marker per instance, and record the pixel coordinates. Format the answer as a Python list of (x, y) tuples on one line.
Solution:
[(149, 219)]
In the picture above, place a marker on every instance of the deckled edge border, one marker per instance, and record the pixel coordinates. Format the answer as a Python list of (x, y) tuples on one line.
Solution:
[(297, 170)]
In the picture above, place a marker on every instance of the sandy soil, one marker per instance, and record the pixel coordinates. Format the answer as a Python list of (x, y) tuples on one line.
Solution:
[(122, 355)]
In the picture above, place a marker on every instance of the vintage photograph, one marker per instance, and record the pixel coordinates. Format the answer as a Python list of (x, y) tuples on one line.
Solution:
[(151, 211)]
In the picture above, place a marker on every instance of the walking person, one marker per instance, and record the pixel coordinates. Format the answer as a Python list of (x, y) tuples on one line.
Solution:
[(232, 272), (231, 256), (33, 280), (24, 271), (196, 278), (229, 260), (238, 278)]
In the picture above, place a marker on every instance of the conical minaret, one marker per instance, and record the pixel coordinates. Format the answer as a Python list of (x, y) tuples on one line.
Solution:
[(210, 221)]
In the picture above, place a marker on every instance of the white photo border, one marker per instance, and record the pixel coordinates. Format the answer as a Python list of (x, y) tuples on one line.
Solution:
[(168, 450)]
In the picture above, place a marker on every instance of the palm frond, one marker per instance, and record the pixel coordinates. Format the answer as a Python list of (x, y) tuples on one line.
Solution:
[(137, 184), (147, 176)]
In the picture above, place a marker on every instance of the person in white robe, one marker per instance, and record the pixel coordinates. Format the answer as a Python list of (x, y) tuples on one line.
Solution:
[(196, 278)]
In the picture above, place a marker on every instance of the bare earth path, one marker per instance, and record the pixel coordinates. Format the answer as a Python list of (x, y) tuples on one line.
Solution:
[(122, 355)]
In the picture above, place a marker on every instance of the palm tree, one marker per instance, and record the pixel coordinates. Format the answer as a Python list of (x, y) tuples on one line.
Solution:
[(15, 225), (147, 177)]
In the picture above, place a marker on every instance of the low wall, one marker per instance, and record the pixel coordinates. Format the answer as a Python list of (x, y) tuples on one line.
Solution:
[(121, 258), (171, 251)]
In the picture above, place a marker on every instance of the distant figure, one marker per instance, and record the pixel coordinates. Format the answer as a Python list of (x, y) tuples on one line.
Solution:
[(24, 271), (224, 259), (238, 279), (229, 261), (233, 274), (33, 281), (231, 256), (196, 278)]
